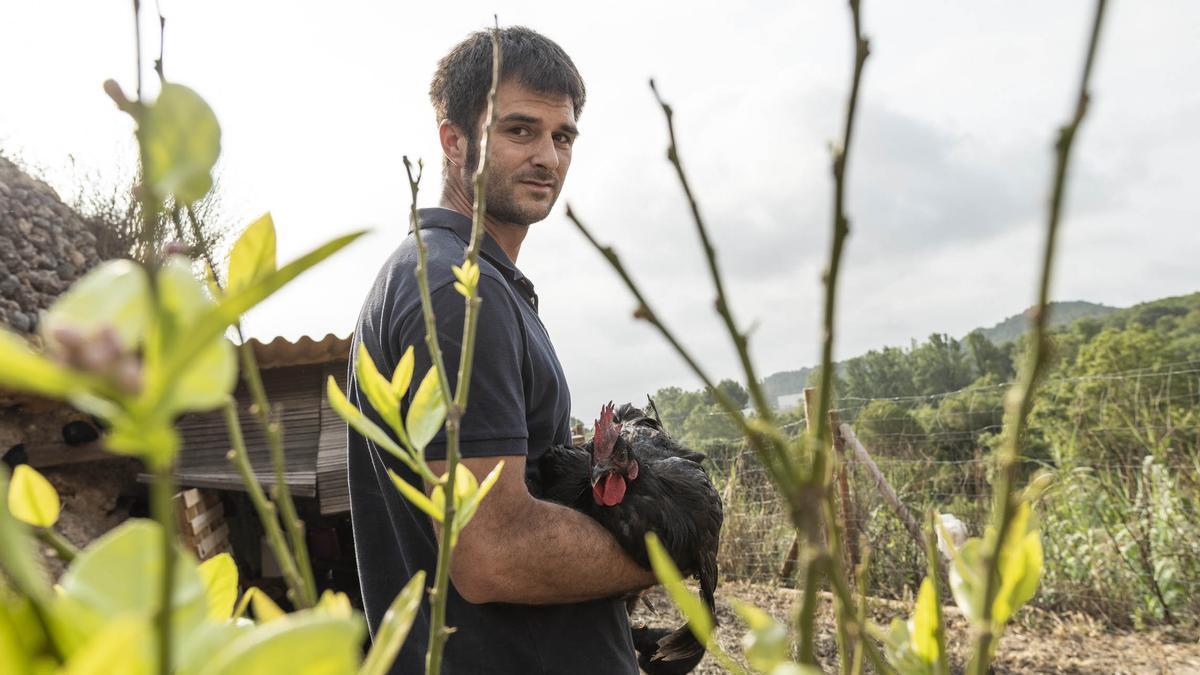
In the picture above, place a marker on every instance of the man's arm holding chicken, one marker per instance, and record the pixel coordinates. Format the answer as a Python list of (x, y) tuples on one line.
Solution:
[(517, 548), (524, 550)]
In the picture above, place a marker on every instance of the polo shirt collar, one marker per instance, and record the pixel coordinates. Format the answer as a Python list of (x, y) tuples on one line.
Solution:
[(448, 219)]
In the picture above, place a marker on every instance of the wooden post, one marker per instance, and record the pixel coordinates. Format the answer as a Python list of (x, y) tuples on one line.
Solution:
[(848, 513), (793, 554), (889, 495)]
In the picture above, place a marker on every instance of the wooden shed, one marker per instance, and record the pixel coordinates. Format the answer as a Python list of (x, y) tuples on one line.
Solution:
[(314, 437)]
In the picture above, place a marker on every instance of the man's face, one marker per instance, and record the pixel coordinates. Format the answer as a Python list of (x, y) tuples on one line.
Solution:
[(528, 154)]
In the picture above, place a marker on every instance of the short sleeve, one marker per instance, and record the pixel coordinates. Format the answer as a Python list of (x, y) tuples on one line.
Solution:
[(495, 422)]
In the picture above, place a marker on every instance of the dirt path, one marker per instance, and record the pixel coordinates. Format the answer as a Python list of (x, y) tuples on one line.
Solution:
[(1038, 643)]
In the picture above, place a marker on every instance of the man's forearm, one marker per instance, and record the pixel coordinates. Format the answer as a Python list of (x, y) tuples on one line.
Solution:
[(553, 554), (523, 550)]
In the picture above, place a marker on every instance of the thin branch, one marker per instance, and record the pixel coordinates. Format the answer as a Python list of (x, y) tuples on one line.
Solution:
[(819, 437), (65, 550), (137, 41), (740, 339), (306, 595), (162, 505), (264, 508), (771, 451), (162, 31), (1019, 400), (438, 631), (422, 274)]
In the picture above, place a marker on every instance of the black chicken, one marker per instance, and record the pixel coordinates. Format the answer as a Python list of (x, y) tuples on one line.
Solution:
[(642, 481)]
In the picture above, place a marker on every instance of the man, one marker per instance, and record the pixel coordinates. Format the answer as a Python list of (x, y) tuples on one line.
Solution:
[(533, 584)]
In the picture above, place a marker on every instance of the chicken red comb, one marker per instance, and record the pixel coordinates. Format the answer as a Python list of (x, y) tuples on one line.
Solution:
[(606, 432)]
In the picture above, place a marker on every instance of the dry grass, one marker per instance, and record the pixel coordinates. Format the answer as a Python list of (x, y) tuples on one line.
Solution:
[(1039, 642)]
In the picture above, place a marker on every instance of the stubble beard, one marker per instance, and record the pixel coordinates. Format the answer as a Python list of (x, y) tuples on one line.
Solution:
[(500, 191)]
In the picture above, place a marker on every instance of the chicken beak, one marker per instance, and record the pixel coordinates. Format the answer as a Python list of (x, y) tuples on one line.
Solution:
[(599, 471)]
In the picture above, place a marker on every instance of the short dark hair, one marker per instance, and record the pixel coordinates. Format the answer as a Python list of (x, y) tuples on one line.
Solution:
[(464, 76)]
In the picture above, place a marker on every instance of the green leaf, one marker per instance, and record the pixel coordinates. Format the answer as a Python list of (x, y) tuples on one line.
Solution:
[(16, 550), (304, 643), (114, 294), (360, 423), (465, 484), (965, 579), (196, 648), (240, 610), (180, 140), (467, 510), (394, 628), (152, 438), (379, 391), (335, 604), (427, 411), (232, 305), (14, 653), (925, 624), (121, 573), (417, 497), (1021, 561), (32, 499), (22, 369), (253, 254), (208, 379), (123, 646), (766, 644), (265, 609), (220, 577), (700, 621), (402, 376)]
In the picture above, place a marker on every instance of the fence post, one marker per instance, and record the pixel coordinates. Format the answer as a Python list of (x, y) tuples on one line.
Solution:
[(789, 562), (848, 512), (889, 494)]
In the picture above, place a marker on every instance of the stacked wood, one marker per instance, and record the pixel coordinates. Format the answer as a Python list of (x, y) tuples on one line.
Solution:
[(202, 525)]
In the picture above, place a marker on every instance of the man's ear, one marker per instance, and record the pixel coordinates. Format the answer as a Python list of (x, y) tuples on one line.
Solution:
[(454, 143)]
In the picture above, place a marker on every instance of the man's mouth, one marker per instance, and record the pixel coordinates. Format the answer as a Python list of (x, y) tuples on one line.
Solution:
[(540, 185)]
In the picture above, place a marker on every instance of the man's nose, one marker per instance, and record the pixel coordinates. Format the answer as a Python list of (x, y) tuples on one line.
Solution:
[(545, 154)]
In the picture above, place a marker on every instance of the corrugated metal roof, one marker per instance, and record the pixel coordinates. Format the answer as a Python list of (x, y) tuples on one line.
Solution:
[(305, 350)]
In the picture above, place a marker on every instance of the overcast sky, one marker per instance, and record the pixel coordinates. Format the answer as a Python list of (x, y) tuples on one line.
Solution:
[(948, 176)]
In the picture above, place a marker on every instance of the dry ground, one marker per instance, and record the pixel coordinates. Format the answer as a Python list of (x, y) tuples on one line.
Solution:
[(1037, 643)]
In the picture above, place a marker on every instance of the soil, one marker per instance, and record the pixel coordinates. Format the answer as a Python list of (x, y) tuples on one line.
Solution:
[(1037, 642)]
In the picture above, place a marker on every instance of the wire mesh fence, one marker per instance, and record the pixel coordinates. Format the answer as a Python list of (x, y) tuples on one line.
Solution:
[(1120, 523)]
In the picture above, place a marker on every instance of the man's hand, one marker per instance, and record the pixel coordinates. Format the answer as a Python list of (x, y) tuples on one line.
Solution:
[(523, 550)]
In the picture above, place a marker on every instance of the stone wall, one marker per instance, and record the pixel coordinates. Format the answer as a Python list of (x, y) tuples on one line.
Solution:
[(44, 247)]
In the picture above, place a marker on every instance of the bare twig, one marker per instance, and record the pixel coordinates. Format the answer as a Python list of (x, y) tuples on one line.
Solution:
[(65, 550), (306, 594), (819, 435), (264, 508), (456, 406), (162, 33), (740, 339), (769, 449), (1019, 400)]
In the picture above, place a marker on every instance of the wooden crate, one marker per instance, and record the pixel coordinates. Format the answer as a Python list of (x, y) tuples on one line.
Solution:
[(202, 522)]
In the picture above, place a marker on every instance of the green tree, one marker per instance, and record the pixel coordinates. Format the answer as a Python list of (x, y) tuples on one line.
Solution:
[(940, 364), (734, 391)]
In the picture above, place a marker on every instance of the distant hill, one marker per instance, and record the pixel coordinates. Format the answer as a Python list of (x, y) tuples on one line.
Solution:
[(1061, 314)]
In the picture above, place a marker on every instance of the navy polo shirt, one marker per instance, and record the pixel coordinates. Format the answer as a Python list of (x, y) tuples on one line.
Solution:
[(519, 404)]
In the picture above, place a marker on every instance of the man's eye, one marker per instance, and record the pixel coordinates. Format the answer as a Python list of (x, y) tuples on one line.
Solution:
[(563, 138), (520, 131)]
